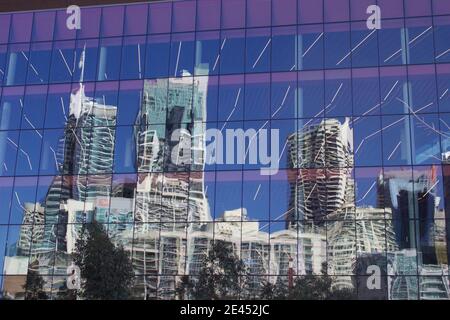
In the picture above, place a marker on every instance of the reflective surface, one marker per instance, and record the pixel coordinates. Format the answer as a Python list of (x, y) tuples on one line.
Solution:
[(90, 120)]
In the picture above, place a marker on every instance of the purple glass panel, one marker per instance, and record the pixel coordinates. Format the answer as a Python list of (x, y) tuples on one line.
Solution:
[(90, 23), (284, 12), (61, 30), (258, 13), (233, 14), (310, 11), (208, 14), (160, 17), (43, 24), (5, 20), (336, 10), (441, 7), (414, 8), (131, 85), (183, 16), (391, 8), (21, 27), (112, 21), (136, 19), (107, 86), (358, 9)]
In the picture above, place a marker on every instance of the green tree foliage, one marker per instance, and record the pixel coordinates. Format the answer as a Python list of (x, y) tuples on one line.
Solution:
[(307, 287), (34, 286), (106, 270), (222, 276)]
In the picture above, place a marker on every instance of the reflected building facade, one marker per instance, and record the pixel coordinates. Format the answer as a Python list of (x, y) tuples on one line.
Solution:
[(110, 123)]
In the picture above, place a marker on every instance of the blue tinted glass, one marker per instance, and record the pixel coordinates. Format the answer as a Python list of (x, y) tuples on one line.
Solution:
[(133, 58), (182, 54), (157, 56), (16, 64), (232, 52), (39, 64)]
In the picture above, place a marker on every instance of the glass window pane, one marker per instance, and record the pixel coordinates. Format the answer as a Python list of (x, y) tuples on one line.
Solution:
[(257, 96), (58, 104), (284, 12), (311, 94), (6, 187), (420, 41), (415, 8), (396, 140), (441, 31), (39, 63), (90, 23), (283, 48), (233, 14), (310, 47), (231, 98), (109, 59), (364, 46), (208, 14), (61, 32), (87, 66), (157, 56), (207, 53), (258, 50), (3, 57), (183, 17), (51, 157), (337, 46), (425, 134), (29, 152), (160, 17), (11, 108), (112, 21), (258, 13), (391, 8), (394, 90), (182, 54), (338, 93), (443, 80), (310, 12), (283, 95), (33, 112), (130, 102), (232, 52), (133, 58), (392, 43), (21, 25), (43, 25), (336, 10), (422, 92), (367, 141), (136, 19), (366, 91), (63, 65), (441, 7), (5, 20), (8, 152), (16, 64)]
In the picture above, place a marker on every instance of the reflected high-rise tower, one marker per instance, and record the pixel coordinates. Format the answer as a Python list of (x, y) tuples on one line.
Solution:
[(86, 148), (170, 150), (170, 200), (322, 187), (322, 191)]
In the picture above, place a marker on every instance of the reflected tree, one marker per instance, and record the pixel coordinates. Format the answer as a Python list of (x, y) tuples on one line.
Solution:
[(222, 276), (34, 285), (307, 287), (106, 270)]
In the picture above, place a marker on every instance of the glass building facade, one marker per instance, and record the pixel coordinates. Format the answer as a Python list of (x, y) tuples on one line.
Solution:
[(286, 128)]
